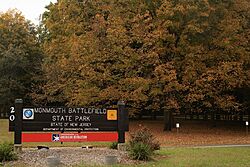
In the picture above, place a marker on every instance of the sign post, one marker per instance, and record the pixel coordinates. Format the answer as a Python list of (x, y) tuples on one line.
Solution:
[(246, 127), (122, 121), (177, 127), (18, 110)]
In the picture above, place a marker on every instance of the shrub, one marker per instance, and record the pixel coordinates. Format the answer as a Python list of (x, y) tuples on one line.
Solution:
[(7, 153), (114, 145), (142, 144), (140, 151), (144, 135)]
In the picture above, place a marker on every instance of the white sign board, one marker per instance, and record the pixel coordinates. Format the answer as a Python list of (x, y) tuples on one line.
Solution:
[(246, 123), (177, 125)]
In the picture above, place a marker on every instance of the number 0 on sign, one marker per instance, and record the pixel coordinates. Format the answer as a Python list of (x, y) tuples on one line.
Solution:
[(111, 115)]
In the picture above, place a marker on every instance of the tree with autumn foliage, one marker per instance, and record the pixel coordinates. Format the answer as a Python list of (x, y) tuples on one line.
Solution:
[(167, 55), (20, 58), (216, 69)]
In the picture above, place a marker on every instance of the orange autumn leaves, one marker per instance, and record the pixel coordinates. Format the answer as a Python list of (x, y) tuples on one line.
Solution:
[(155, 55)]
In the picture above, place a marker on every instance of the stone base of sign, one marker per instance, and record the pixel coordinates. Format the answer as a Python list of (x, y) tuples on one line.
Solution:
[(17, 148), (122, 147), (110, 160)]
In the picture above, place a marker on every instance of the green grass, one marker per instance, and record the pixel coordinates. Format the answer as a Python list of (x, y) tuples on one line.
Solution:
[(198, 157), (205, 157), (6, 136)]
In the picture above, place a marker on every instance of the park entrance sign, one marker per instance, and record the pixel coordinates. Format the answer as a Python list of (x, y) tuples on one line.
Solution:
[(98, 124), (68, 119)]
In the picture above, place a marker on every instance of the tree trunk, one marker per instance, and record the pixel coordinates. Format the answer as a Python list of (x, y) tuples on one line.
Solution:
[(248, 115), (191, 116), (197, 116), (153, 115), (218, 116), (205, 117), (241, 116), (213, 113), (168, 120)]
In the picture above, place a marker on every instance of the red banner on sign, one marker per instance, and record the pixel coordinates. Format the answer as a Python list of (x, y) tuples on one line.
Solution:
[(69, 137)]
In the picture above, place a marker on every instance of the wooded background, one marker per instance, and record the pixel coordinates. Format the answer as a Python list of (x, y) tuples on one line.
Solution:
[(183, 56)]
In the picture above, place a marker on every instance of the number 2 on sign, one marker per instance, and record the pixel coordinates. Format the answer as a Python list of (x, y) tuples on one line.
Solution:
[(12, 110)]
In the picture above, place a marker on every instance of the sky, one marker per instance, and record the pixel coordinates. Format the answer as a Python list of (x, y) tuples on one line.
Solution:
[(31, 9)]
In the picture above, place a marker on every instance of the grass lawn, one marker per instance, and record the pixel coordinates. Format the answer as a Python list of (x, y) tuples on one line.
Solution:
[(201, 157), (198, 157), (5, 135), (204, 157)]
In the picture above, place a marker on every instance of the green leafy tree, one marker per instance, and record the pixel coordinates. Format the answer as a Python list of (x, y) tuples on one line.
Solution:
[(20, 58)]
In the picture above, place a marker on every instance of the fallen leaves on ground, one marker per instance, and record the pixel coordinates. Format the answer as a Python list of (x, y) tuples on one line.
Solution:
[(194, 133)]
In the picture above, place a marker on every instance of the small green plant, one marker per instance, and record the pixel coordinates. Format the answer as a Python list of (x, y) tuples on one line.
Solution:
[(114, 145), (7, 153), (140, 151), (142, 144)]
